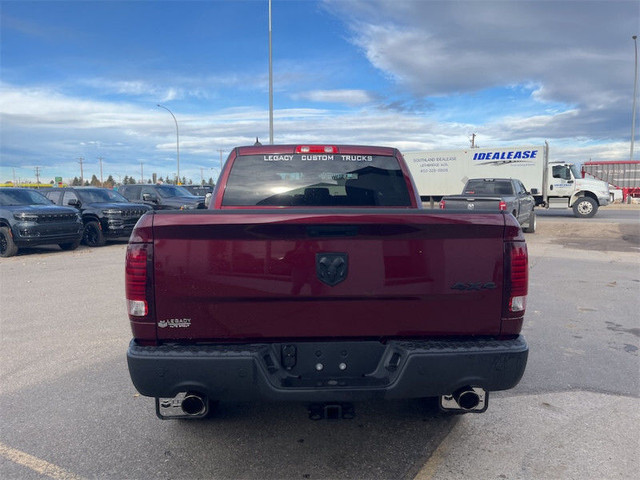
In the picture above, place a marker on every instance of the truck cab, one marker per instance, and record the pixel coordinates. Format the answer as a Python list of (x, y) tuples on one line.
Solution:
[(163, 196), (566, 188)]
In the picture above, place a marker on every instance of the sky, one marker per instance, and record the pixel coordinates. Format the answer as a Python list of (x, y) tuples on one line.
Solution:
[(82, 80)]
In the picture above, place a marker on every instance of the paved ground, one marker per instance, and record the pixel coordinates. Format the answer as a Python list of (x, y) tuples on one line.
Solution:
[(576, 413), (68, 409), (569, 435)]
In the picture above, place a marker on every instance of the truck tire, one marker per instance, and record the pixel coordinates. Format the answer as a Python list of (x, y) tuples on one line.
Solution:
[(531, 225), (69, 245), (93, 236), (585, 207), (7, 247)]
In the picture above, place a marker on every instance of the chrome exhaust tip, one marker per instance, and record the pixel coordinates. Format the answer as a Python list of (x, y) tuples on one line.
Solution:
[(193, 404), (465, 399), (183, 405)]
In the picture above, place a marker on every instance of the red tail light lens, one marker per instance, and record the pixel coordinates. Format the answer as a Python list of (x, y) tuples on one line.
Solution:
[(502, 206), (441, 204), (516, 279), (136, 279)]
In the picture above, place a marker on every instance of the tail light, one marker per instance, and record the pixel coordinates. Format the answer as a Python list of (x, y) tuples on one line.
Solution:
[(316, 149), (502, 206), (136, 275), (516, 285), (442, 204)]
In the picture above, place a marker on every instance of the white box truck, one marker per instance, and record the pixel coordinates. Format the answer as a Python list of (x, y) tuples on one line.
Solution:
[(553, 185)]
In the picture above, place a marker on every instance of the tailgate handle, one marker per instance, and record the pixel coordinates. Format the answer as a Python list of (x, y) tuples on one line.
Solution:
[(332, 231)]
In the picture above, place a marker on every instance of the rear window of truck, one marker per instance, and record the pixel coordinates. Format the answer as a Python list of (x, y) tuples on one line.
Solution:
[(484, 187), (319, 180)]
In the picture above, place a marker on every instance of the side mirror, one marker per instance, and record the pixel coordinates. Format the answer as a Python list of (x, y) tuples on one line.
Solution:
[(534, 191), (150, 197), (207, 200), (74, 202)]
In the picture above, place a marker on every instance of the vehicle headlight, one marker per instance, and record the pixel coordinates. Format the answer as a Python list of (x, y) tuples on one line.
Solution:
[(26, 217), (187, 207), (112, 212)]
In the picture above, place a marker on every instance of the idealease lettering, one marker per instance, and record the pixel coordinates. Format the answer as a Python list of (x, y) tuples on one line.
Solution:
[(511, 155)]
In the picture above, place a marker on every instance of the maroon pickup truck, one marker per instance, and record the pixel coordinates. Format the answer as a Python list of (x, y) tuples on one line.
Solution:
[(316, 277)]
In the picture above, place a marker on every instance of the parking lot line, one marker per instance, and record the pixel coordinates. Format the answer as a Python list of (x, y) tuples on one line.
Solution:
[(37, 465)]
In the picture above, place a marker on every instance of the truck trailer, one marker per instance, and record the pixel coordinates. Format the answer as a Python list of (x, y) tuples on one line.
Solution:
[(624, 175), (553, 185)]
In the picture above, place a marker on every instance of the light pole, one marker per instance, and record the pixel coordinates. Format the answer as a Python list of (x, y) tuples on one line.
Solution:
[(635, 89), (177, 140), (270, 82)]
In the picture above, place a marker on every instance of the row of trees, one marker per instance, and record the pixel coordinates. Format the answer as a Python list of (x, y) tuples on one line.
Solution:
[(109, 182), (127, 180)]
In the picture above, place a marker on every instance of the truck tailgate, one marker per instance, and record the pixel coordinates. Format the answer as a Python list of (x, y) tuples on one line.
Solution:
[(470, 202), (243, 274)]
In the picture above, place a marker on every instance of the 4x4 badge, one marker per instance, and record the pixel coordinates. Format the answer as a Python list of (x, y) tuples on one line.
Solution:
[(470, 286), (332, 268)]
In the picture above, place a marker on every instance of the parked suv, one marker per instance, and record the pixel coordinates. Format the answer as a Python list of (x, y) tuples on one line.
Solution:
[(162, 197), (200, 190), (27, 219), (105, 213)]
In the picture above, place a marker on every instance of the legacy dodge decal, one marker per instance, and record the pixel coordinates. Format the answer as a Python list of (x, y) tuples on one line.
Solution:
[(175, 323)]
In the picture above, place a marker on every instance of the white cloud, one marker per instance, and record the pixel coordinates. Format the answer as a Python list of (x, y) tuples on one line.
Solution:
[(347, 97), (580, 53)]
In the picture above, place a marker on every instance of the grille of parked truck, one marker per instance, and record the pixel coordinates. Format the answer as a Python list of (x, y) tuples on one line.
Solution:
[(106, 214), (315, 276), (28, 219)]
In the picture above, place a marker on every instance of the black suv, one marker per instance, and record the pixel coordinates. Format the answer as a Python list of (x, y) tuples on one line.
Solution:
[(105, 213), (28, 219), (162, 197), (201, 190)]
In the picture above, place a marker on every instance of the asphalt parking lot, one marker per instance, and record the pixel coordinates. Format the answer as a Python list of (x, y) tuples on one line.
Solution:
[(68, 409)]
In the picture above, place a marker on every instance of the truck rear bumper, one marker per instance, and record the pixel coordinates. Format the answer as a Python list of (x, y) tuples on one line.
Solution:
[(328, 371)]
